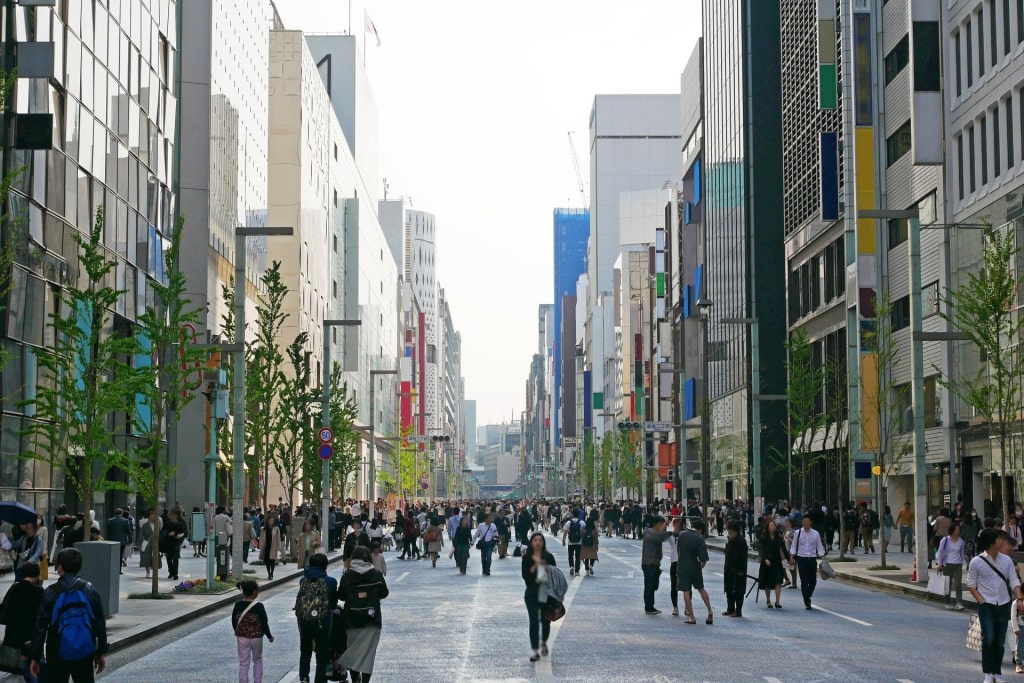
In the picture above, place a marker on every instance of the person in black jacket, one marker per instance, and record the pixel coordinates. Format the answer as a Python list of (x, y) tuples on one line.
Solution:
[(356, 539), (18, 613), (461, 542), (171, 537), (774, 556), (536, 557), (735, 569), (362, 588)]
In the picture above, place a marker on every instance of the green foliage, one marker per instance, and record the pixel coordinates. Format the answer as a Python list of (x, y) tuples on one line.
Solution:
[(298, 411), (84, 380), (804, 388), (628, 462), (982, 309), (344, 412), (400, 475)]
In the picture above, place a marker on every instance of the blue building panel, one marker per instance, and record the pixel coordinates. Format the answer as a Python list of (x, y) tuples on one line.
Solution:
[(571, 233), (690, 396)]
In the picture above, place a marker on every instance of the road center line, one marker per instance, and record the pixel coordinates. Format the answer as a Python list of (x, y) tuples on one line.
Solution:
[(769, 679), (399, 579), (293, 676), (842, 616), (904, 680), (543, 667)]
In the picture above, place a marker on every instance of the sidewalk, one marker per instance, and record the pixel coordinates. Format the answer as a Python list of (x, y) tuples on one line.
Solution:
[(140, 619), (859, 572)]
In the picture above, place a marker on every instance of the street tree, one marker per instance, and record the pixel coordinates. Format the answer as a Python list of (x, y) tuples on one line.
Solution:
[(400, 475), (344, 413), (297, 403), (804, 389), (839, 421), (84, 379), (168, 378), (885, 402), (983, 310)]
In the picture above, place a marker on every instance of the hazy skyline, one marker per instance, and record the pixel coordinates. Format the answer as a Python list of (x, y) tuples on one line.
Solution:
[(476, 98)]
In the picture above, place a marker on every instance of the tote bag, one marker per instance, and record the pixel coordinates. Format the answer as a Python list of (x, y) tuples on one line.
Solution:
[(974, 634), (938, 584)]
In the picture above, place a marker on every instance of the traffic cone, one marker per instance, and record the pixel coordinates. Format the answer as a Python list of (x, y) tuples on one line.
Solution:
[(913, 577)]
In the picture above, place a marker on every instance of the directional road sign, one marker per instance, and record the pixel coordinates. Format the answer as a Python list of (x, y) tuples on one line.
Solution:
[(419, 438), (325, 451), (326, 434), (657, 426)]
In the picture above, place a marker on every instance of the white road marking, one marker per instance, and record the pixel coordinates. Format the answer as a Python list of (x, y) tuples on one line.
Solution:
[(637, 545), (904, 680), (717, 574), (661, 679), (293, 676), (543, 667), (399, 579), (769, 679), (842, 616), (629, 575)]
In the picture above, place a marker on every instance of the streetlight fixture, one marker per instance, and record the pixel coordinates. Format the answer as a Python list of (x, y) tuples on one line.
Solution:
[(325, 413), (704, 307), (371, 483), (238, 426)]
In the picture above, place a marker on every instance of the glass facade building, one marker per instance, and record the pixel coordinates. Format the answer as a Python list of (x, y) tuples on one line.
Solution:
[(571, 232), (101, 76)]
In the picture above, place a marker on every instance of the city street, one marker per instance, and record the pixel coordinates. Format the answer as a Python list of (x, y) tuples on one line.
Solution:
[(439, 626)]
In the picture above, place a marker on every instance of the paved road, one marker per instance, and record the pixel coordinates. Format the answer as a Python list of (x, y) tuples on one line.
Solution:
[(440, 626)]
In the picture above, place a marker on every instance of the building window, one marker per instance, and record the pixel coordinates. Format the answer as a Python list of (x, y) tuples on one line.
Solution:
[(981, 41), (958, 67), (1006, 27), (969, 36), (997, 151), (984, 149), (1009, 132), (1020, 21), (993, 31), (972, 186), (904, 403), (897, 59), (897, 231), (900, 316), (897, 144)]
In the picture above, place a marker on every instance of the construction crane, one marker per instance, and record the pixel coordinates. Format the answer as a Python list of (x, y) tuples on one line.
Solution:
[(579, 173)]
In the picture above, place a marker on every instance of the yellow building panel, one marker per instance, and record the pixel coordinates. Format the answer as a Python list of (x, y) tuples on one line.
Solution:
[(864, 164), (867, 236), (869, 434)]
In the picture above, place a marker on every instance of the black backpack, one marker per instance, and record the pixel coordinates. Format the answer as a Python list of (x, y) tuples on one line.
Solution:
[(575, 534), (588, 539), (313, 600)]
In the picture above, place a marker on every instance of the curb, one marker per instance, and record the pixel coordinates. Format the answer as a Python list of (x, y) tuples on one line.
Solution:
[(203, 610)]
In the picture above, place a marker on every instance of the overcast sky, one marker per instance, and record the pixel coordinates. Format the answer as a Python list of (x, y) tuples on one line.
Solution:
[(476, 98)]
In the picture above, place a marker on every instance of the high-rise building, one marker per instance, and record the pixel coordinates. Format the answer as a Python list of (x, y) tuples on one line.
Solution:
[(743, 219), (94, 111), (571, 231)]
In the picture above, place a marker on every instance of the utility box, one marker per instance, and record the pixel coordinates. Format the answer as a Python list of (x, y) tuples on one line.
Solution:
[(101, 566)]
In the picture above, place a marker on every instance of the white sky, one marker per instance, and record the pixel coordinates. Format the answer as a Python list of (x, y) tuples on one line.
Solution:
[(475, 99)]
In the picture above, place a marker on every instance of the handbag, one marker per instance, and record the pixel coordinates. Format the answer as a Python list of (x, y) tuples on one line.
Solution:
[(974, 634), (553, 610), (827, 572), (44, 568), (938, 584), (10, 659), (6, 561)]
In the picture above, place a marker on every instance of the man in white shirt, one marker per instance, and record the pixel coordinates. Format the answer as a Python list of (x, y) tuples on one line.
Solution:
[(573, 530), (805, 551), (993, 582), (223, 530), (453, 524)]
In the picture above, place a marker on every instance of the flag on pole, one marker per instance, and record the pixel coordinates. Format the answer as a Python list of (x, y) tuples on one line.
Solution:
[(369, 27)]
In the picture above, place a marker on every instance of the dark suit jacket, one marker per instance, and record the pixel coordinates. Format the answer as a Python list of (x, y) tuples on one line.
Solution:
[(692, 551), (119, 529)]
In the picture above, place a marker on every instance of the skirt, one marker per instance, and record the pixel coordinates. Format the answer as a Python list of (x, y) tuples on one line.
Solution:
[(362, 649)]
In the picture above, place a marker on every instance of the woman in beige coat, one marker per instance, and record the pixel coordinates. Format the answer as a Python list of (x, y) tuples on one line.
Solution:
[(303, 546), (270, 544)]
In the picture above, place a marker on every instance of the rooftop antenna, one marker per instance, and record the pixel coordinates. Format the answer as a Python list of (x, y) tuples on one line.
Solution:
[(579, 173)]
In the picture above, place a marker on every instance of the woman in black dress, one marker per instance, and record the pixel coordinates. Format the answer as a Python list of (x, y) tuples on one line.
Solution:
[(536, 560), (735, 569), (774, 555)]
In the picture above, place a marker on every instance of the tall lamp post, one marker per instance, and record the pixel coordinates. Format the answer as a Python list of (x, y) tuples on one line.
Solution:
[(371, 484), (238, 425), (325, 413), (704, 307)]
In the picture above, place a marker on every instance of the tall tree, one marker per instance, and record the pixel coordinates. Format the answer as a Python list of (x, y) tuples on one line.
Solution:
[(167, 373), (85, 379), (983, 310), (299, 409), (344, 413), (804, 391), (400, 475), (839, 421), (884, 401)]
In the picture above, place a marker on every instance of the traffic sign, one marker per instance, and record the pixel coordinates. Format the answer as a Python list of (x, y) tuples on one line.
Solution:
[(325, 451), (418, 438), (326, 434), (657, 426)]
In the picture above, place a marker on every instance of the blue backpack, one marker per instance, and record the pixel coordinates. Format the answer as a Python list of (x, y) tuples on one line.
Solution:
[(73, 617)]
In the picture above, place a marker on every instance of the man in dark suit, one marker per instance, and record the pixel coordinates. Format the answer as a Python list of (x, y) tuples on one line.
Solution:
[(120, 529), (693, 555)]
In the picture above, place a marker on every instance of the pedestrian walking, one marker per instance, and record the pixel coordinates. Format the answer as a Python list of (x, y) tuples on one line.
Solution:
[(905, 522), (774, 556), (149, 532), (362, 588), (303, 544), (356, 539), (573, 531), (172, 535), (486, 533), (693, 556), (270, 544), (461, 542), (589, 545), (120, 529), (18, 615), (993, 583), (671, 545), (433, 540), (787, 540), (71, 628), (250, 624), (735, 572), (949, 561), (536, 560), (805, 551), (650, 561), (888, 524), (317, 597)]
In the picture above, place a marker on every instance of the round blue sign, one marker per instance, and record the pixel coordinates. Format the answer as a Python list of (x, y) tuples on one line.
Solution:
[(325, 451)]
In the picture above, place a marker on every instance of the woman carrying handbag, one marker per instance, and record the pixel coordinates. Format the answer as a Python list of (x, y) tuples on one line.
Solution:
[(774, 558)]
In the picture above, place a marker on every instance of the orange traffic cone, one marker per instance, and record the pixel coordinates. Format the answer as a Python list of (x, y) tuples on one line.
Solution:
[(913, 577)]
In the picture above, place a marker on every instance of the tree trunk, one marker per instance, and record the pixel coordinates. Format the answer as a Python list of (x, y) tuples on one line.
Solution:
[(883, 495)]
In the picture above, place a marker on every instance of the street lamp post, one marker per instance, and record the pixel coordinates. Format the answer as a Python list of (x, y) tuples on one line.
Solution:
[(371, 484), (704, 306), (325, 414), (238, 422)]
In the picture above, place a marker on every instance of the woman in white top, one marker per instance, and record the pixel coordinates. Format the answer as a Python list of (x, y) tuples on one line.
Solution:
[(949, 560)]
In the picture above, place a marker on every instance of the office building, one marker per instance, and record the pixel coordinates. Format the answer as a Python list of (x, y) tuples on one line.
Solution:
[(571, 232)]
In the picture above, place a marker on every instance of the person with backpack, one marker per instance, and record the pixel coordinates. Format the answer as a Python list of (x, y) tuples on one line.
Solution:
[(70, 626), (573, 530), (249, 622), (433, 540), (362, 588), (317, 597), (868, 522), (503, 535), (18, 614), (486, 533), (588, 545)]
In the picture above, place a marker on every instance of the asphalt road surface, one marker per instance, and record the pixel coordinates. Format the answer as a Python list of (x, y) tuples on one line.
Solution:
[(440, 626)]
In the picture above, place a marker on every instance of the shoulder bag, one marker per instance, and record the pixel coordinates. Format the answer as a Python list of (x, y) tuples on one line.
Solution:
[(1009, 590)]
